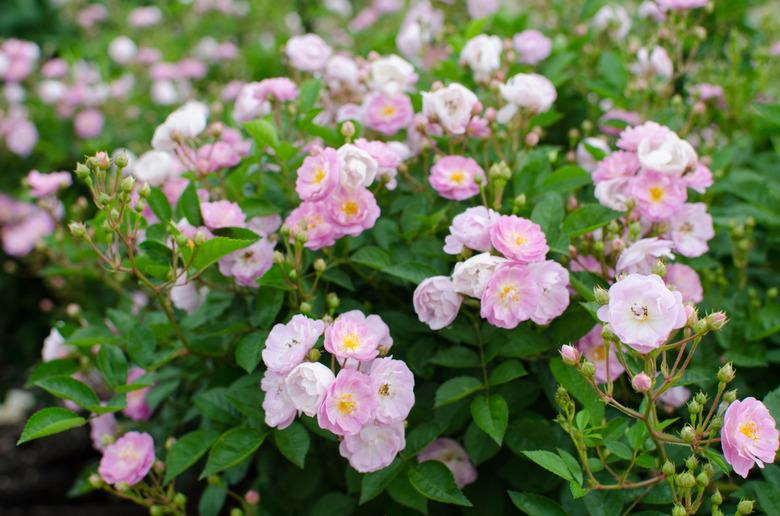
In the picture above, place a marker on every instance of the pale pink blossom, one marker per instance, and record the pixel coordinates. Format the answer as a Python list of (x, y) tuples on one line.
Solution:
[(394, 384), (470, 277), (222, 214), (553, 282), (436, 302), (311, 219), (685, 280), (526, 91), (452, 107), (374, 446), (128, 460), (532, 46), (387, 114), (457, 177), (351, 211), (690, 229), (279, 409), (749, 435), (452, 454), (349, 404), (45, 185), (306, 386), (519, 239), (658, 196), (643, 254), (318, 175), (307, 53), (137, 408), (511, 296), (352, 336)]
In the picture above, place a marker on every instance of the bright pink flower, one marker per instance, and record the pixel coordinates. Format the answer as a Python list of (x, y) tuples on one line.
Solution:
[(456, 177), (311, 218), (631, 137), (471, 229), (44, 185), (592, 347), (643, 254), (553, 282), (519, 239), (690, 229), (619, 164), (287, 344), (510, 297), (222, 214), (349, 404), (352, 211), (102, 429), (247, 265), (532, 46), (685, 280), (279, 409), (351, 336), (658, 196), (128, 460), (642, 311), (373, 447), (749, 436), (394, 384), (436, 302), (137, 409), (451, 454), (387, 114), (318, 175), (307, 53)]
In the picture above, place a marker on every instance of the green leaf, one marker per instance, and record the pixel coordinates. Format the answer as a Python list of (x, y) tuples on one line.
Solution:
[(456, 356), (371, 256), (717, 459), (232, 448), (579, 388), (293, 442), (506, 372), (612, 68), (90, 335), (573, 464), (189, 205), (141, 345), (212, 500), (308, 94), (566, 179), (413, 272), (433, 480), (536, 505), (403, 492), (212, 250), (71, 389), (587, 218), (374, 483), (159, 204), (551, 462), (268, 302), (619, 449), (456, 389), (49, 421), (264, 134), (249, 349), (60, 367), (112, 363), (479, 445), (491, 414), (186, 451), (549, 213), (772, 402)]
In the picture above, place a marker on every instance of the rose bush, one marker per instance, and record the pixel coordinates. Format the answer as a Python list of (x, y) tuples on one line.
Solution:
[(489, 257)]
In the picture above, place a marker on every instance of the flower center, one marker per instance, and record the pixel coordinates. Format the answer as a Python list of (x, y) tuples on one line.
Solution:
[(639, 311), (350, 208), (319, 175), (292, 342), (346, 405), (128, 454), (599, 354), (457, 177), (750, 430), (519, 239), (384, 390), (388, 110), (509, 293), (656, 193), (351, 341)]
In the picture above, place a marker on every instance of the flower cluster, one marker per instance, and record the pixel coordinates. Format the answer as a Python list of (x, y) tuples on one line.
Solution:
[(365, 403)]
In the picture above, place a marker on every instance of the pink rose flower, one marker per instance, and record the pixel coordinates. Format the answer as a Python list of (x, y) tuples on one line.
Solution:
[(102, 430), (631, 137), (288, 344), (222, 214), (44, 185), (471, 229), (353, 335), (88, 124), (608, 125), (374, 446), (681, 5), (452, 107), (675, 397), (279, 409), (436, 302), (306, 386), (642, 311), (394, 384), (318, 175), (685, 280), (592, 347), (553, 282), (532, 46), (216, 156), (470, 277), (519, 239), (247, 265), (699, 179), (619, 164), (128, 460), (20, 238), (658, 196), (690, 229), (137, 409), (20, 134), (349, 403), (749, 436), (308, 53), (643, 254), (387, 114), (511, 296), (642, 383), (311, 219), (279, 88), (451, 454), (456, 177), (352, 211)]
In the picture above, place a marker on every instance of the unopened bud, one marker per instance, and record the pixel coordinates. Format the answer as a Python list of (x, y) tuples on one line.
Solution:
[(144, 191), (588, 369), (121, 160), (95, 481), (716, 498), (102, 160), (127, 184), (305, 308), (200, 237), (668, 468), (601, 295), (570, 354), (702, 479), (278, 257), (235, 511), (156, 510), (687, 434), (214, 480), (730, 396), (700, 326), (348, 129), (726, 373), (691, 462), (694, 407), (121, 486), (692, 316), (252, 497), (679, 510), (716, 423), (332, 300), (745, 506), (686, 480), (716, 321), (82, 171), (180, 500), (77, 229), (562, 397), (642, 382), (320, 265), (520, 201), (607, 334), (103, 198), (159, 466), (313, 355), (701, 398), (170, 442)]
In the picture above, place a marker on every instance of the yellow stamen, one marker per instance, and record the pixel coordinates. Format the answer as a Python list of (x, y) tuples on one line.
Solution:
[(319, 175), (520, 239), (750, 430), (599, 354), (388, 111), (346, 405), (509, 293), (351, 341), (657, 193), (350, 208), (384, 390), (457, 177)]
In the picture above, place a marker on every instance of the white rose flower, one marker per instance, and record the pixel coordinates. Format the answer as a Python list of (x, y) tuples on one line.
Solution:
[(357, 167), (154, 167), (392, 75), (613, 18), (251, 103), (471, 276), (342, 72), (185, 123), (122, 50), (306, 386), (451, 107), (185, 294), (655, 63), (54, 346), (51, 91), (483, 55), (164, 93), (672, 156), (529, 91)]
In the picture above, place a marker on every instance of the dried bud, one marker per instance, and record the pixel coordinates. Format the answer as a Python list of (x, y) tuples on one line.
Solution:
[(745, 506), (601, 295), (570, 354), (642, 383), (77, 229), (320, 265), (726, 373)]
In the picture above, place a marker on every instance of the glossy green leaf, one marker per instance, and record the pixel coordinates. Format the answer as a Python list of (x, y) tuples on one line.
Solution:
[(49, 421)]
